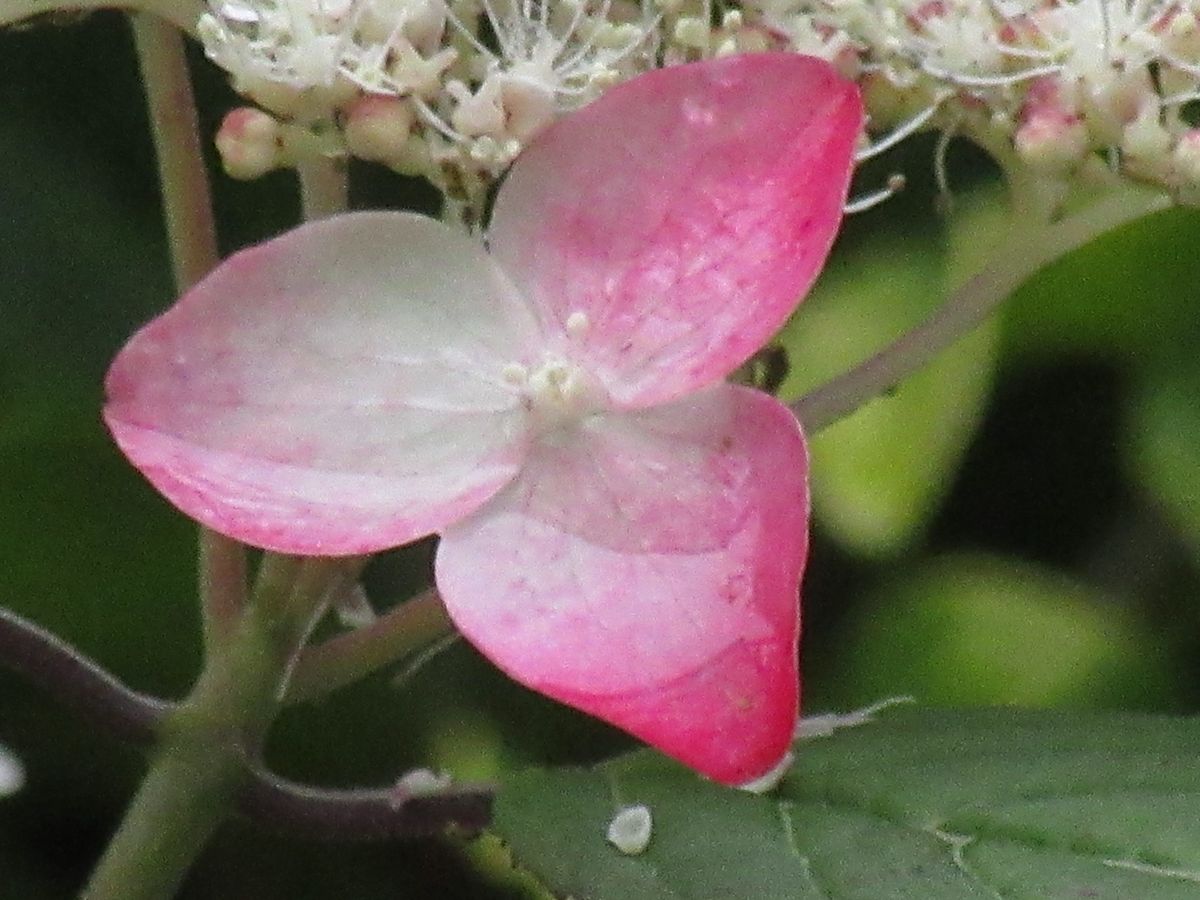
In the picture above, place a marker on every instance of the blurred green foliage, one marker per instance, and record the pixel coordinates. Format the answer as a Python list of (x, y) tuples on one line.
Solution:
[(1017, 524)]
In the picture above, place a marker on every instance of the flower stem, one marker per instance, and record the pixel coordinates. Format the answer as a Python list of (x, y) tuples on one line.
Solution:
[(222, 584), (1020, 256), (344, 660), (323, 185), (191, 230), (200, 764), (192, 237), (78, 682)]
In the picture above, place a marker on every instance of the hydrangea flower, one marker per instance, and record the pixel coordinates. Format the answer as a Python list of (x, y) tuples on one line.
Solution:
[(620, 529)]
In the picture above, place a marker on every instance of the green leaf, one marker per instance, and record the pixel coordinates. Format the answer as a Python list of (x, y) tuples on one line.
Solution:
[(919, 804), (879, 474)]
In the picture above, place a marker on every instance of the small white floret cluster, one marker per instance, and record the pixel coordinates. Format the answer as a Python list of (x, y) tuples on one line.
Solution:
[(451, 89), (1050, 85)]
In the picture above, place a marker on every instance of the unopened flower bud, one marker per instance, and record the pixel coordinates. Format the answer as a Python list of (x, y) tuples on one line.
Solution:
[(692, 31), (1182, 33), (727, 47), (1051, 136), (1052, 143), (250, 143), (1187, 156), (1146, 144), (377, 128), (1185, 162), (528, 104)]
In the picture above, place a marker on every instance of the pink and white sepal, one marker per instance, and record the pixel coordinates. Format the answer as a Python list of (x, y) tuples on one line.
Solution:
[(620, 529)]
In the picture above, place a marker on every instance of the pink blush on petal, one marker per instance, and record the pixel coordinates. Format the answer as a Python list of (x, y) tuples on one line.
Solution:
[(644, 587)]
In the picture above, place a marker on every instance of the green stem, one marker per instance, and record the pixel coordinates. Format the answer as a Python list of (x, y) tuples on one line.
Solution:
[(200, 764), (343, 660), (1023, 254), (222, 584), (187, 207), (183, 13), (192, 237), (191, 784), (323, 185)]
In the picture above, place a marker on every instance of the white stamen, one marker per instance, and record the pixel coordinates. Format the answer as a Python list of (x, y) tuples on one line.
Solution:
[(901, 131), (515, 374), (895, 184), (557, 392), (577, 323)]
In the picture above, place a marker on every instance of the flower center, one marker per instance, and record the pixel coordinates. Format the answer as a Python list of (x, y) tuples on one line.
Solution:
[(558, 393)]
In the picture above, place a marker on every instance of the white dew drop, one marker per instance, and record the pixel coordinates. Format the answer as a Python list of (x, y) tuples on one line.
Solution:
[(629, 830), (419, 783)]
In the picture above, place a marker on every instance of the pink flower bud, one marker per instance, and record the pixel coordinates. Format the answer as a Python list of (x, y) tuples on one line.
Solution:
[(377, 128), (250, 143), (1186, 160), (1050, 135)]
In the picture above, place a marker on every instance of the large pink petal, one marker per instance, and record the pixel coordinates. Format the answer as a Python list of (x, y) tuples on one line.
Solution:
[(685, 213), (336, 390), (645, 570)]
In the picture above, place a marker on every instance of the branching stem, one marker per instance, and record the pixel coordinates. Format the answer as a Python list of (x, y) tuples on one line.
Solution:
[(1024, 253), (323, 186), (77, 682), (363, 814), (274, 803), (345, 659)]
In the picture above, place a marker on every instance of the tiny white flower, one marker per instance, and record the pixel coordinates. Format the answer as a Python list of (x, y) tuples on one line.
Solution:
[(550, 56), (1120, 72), (306, 58)]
